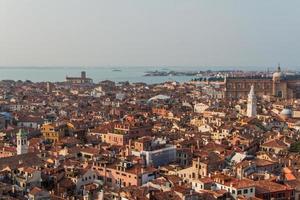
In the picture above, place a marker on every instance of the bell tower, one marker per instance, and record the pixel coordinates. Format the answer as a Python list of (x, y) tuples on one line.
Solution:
[(22, 144), (251, 104), (277, 77)]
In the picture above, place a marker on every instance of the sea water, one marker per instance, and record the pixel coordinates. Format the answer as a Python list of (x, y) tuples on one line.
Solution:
[(117, 74)]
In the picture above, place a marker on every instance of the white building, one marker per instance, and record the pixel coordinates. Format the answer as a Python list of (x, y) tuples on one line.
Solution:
[(158, 157), (97, 92), (237, 187), (28, 178), (85, 177), (200, 107)]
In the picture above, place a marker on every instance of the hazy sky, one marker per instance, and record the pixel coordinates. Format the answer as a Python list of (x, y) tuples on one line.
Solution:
[(149, 32)]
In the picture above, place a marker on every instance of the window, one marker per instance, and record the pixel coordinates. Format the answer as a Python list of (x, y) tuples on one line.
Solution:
[(245, 191), (251, 190), (239, 192), (233, 191)]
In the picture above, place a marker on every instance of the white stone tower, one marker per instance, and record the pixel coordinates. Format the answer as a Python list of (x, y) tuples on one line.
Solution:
[(49, 87), (22, 144), (251, 105)]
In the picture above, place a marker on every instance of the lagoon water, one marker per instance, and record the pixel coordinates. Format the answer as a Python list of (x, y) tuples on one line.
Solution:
[(117, 74), (132, 74)]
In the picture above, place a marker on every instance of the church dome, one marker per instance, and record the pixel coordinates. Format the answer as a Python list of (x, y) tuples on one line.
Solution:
[(278, 74), (286, 113)]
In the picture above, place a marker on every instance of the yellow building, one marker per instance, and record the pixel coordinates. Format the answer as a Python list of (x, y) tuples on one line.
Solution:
[(54, 132)]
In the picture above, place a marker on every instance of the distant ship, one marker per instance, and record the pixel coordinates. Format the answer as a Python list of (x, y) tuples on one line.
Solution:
[(116, 70)]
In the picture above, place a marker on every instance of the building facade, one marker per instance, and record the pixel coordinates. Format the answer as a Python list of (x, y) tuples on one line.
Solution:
[(160, 157), (54, 132), (83, 79), (279, 85)]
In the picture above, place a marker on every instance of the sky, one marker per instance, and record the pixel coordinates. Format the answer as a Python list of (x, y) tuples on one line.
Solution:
[(149, 33)]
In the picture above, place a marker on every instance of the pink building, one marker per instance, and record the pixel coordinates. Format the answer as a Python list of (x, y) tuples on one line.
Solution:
[(124, 173), (123, 132)]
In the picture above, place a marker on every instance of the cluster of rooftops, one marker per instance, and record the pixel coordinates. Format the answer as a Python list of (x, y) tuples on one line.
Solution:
[(137, 141)]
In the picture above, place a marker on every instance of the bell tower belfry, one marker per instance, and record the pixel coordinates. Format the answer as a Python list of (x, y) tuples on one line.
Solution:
[(22, 143)]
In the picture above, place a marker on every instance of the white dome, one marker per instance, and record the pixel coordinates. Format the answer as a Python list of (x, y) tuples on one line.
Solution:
[(278, 74), (286, 112)]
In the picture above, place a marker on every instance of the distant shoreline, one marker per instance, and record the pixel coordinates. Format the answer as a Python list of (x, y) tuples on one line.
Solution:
[(162, 68), (131, 74)]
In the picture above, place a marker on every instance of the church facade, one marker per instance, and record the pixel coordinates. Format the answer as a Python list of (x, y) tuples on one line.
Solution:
[(279, 85)]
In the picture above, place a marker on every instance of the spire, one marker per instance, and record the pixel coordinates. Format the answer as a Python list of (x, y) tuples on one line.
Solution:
[(251, 93), (278, 68), (22, 133), (251, 104)]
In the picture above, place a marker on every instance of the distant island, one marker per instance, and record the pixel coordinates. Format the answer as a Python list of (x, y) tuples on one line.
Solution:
[(170, 73)]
